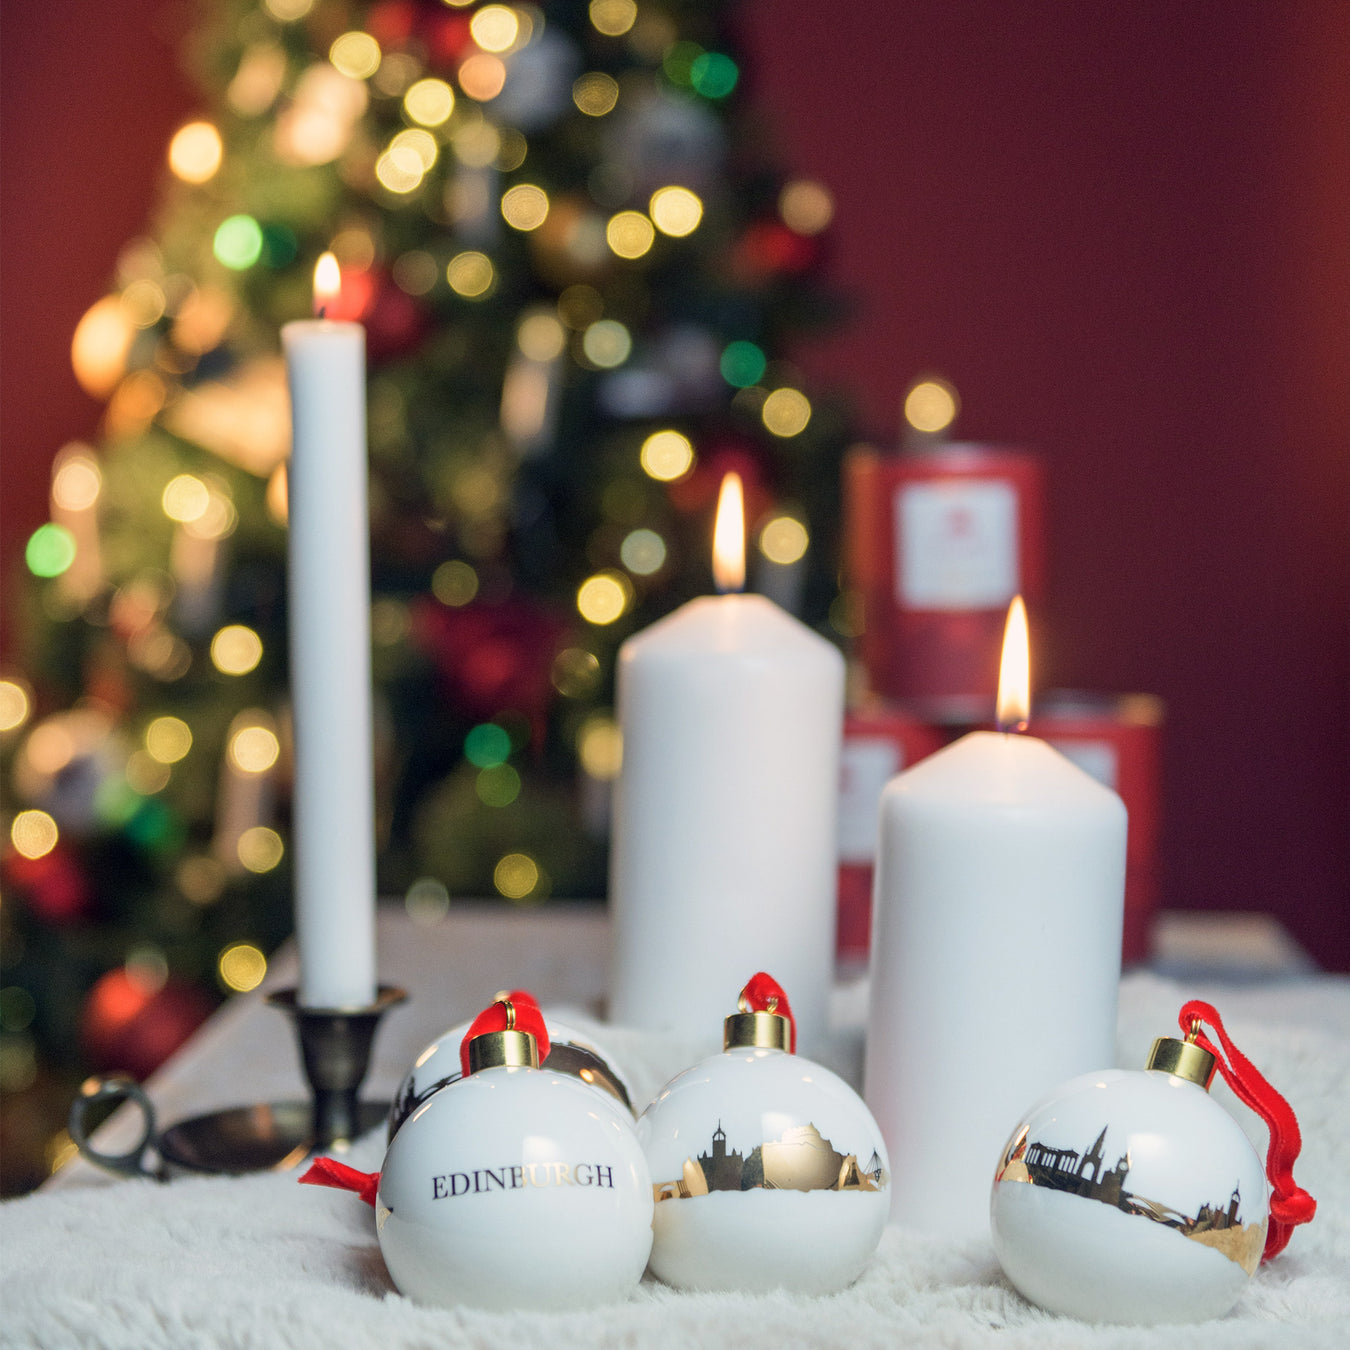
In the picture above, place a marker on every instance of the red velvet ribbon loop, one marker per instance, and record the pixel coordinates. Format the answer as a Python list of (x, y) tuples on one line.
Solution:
[(494, 1018), (1290, 1204), (330, 1172), (763, 990)]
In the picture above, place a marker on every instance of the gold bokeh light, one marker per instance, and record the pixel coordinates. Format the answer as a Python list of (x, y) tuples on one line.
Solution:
[(931, 406), (525, 206), (806, 207), (168, 739), (196, 152), (676, 211), (356, 55), (516, 876), (643, 552), (600, 747), (254, 749), (185, 498), (784, 540), (429, 102), (76, 483), (603, 598), (100, 346), (33, 834), (260, 848), (667, 456), (242, 967), (495, 28), (630, 234), (15, 705), (613, 18), (595, 93), (786, 412), (236, 649), (541, 337), (470, 274), (607, 343)]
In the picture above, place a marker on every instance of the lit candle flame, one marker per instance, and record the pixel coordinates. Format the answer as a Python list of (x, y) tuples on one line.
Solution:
[(1014, 673), (729, 536), (327, 283)]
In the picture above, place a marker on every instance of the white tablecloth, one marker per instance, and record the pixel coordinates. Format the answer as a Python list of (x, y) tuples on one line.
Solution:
[(259, 1262)]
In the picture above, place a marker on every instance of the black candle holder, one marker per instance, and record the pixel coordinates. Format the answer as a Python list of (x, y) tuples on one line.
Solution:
[(335, 1045)]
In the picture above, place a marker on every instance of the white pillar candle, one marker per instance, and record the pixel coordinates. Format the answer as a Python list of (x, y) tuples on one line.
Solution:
[(995, 959), (329, 569), (723, 858)]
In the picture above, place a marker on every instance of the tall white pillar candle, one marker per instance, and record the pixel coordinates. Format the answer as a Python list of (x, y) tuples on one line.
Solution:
[(329, 601), (995, 960), (724, 851)]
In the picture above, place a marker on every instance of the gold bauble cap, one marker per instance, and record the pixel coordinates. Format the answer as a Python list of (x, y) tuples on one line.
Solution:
[(1185, 1059), (510, 1048), (756, 1030)]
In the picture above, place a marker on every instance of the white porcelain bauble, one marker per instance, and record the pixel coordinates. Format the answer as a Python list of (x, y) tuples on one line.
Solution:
[(769, 1172), (1130, 1196), (570, 1052), (516, 1188)]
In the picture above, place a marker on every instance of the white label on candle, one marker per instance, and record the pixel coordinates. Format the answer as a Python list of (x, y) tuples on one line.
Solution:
[(1097, 758), (867, 764), (956, 544)]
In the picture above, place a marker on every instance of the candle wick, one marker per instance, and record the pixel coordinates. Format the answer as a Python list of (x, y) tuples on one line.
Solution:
[(323, 312), (1012, 728)]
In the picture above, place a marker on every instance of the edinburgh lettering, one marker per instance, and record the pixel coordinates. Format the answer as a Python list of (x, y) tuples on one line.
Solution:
[(520, 1177)]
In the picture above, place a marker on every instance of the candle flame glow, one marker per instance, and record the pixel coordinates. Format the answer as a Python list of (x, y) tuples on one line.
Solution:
[(729, 536), (1014, 674), (327, 283)]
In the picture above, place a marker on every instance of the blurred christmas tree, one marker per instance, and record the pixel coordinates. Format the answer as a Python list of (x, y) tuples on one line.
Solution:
[(578, 271)]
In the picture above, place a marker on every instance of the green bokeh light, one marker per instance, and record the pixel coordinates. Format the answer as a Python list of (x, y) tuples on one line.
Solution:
[(50, 550), (743, 364), (487, 745), (498, 785), (713, 74), (239, 242), (678, 62)]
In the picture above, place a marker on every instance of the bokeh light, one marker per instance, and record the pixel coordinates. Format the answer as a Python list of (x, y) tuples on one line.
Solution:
[(607, 343), (676, 211), (100, 346), (805, 206), (168, 739), (242, 967), (600, 746), (743, 364), (15, 705), (185, 498), (260, 848), (50, 550), (201, 878), (931, 406), (595, 93), (667, 456), (400, 169), (427, 901), (482, 76), (145, 774), (471, 274), (497, 785), (254, 749), (429, 102), (33, 834), (786, 412), (236, 649), (784, 539), (477, 143), (487, 744), (516, 876), (287, 11), (603, 598), (195, 152), (495, 28), (630, 234), (415, 272), (238, 242), (76, 483), (613, 18), (713, 74), (540, 337), (420, 141), (356, 55), (144, 303), (525, 206), (575, 672), (643, 552), (580, 305), (454, 583)]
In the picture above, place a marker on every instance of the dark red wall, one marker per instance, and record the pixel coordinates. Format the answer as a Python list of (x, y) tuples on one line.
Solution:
[(1121, 231)]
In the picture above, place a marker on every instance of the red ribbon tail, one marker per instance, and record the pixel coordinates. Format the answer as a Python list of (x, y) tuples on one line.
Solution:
[(330, 1172), (1290, 1204)]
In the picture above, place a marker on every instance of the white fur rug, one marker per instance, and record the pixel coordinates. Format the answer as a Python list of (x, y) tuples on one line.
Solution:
[(260, 1262)]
